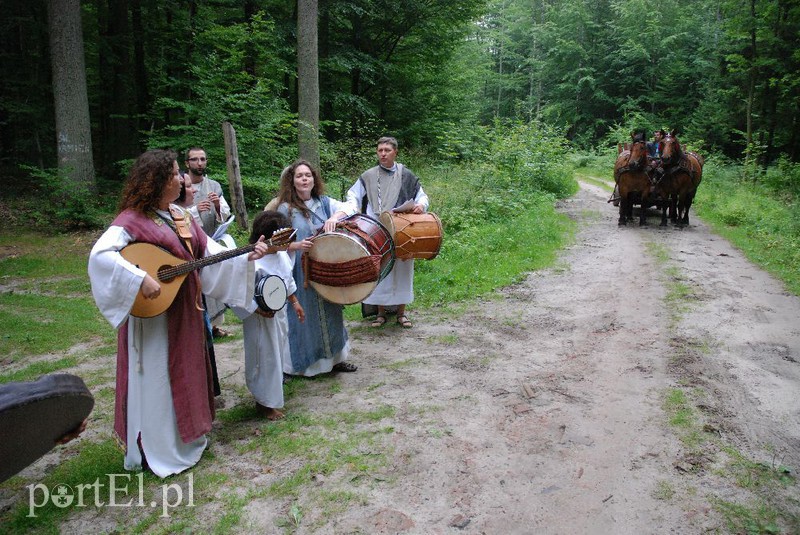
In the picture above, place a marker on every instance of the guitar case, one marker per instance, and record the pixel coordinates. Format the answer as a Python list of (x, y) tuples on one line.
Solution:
[(34, 415)]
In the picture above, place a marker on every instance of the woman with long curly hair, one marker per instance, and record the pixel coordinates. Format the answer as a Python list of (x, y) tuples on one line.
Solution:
[(164, 396), (318, 345)]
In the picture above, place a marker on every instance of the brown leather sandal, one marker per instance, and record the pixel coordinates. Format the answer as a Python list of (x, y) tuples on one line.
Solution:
[(404, 322)]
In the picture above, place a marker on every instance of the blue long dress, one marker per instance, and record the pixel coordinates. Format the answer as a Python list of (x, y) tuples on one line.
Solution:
[(321, 341)]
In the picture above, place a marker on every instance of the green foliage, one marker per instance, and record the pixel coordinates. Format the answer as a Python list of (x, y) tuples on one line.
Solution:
[(61, 203), (528, 157), (764, 223), (397, 66), (756, 518), (783, 179), (223, 89), (501, 208)]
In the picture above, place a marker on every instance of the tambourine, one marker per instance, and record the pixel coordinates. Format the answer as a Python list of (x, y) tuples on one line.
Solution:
[(270, 294)]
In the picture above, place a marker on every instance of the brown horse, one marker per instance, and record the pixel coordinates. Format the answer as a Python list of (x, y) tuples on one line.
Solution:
[(683, 172), (630, 175)]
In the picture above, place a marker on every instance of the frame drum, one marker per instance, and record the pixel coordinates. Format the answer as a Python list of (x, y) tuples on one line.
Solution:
[(270, 294), (356, 238), (415, 235)]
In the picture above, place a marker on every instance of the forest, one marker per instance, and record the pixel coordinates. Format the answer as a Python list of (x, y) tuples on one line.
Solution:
[(441, 76)]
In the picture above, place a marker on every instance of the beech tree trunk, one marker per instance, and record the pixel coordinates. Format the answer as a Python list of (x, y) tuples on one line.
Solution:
[(308, 81), (73, 129)]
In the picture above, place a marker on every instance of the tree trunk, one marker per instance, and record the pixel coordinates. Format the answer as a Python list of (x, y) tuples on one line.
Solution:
[(73, 129), (326, 106), (308, 81)]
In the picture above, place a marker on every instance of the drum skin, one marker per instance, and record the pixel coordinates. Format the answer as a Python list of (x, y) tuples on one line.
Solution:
[(344, 245), (415, 235), (270, 293)]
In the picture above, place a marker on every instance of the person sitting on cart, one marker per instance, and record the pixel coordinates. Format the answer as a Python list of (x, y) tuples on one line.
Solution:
[(654, 168)]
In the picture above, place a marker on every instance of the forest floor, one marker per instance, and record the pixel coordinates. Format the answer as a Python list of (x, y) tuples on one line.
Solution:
[(647, 383)]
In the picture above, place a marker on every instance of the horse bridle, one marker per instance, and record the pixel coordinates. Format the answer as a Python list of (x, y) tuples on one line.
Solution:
[(642, 161), (675, 155)]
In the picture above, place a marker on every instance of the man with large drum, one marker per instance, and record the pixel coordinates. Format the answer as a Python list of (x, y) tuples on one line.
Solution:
[(387, 186)]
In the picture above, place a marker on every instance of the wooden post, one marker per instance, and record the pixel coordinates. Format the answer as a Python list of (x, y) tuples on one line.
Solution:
[(234, 176)]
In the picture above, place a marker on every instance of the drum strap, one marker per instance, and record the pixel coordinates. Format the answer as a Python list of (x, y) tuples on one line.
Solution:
[(383, 187), (182, 227)]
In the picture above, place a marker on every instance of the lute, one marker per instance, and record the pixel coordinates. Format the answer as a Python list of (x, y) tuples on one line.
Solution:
[(170, 271)]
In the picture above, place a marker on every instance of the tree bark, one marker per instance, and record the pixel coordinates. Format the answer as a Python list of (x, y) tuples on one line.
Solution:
[(73, 129), (308, 81)]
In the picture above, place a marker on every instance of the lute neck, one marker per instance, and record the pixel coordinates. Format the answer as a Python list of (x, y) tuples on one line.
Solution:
[(186, 267)]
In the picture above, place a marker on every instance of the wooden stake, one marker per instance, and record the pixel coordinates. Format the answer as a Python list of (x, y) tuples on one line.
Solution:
[(234, 176)]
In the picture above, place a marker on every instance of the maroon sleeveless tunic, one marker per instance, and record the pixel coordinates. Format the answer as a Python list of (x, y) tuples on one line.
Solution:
[(188, 362)]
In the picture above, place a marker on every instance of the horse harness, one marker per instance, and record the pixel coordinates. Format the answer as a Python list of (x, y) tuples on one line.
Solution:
[(624, 169), (683, 165)]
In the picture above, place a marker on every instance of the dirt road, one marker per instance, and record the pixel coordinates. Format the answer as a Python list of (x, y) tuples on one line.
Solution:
[(548, 410), (648, 383)]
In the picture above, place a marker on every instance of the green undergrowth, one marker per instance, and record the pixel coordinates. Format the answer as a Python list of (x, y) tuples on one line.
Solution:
[(481, 259), (490, 238), (762, 222), (93, 461)]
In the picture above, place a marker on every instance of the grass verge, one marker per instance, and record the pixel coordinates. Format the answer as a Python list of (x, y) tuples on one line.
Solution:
[(760, 222)]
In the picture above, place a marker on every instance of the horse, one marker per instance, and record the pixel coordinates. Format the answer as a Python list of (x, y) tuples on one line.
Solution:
[(630, 175), (683, 172)]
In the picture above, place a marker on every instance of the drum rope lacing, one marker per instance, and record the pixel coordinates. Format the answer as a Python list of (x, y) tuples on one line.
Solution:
[(357, 271)]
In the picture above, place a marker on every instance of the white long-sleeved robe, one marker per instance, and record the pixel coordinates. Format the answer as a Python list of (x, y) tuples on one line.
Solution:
[(151, 415), (266, 340), (397, 288)]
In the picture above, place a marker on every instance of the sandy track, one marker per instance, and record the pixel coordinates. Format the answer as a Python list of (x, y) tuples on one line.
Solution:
[(597, 345)]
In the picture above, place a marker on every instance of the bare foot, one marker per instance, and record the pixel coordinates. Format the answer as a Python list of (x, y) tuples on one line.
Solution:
[(273, 414), (268, 412)]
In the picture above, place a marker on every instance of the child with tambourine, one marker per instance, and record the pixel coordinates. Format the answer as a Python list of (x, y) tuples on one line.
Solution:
[(265, 324)]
